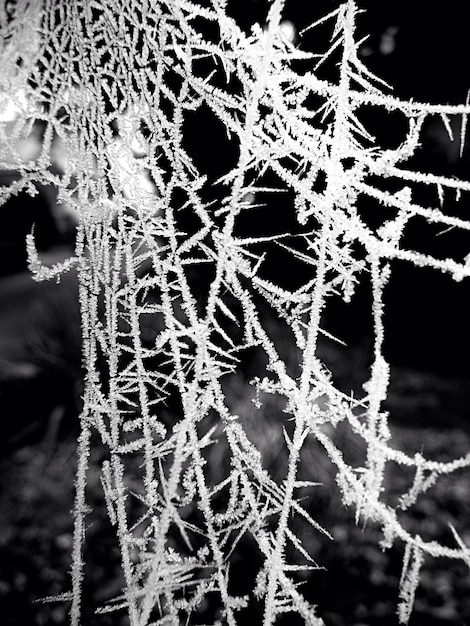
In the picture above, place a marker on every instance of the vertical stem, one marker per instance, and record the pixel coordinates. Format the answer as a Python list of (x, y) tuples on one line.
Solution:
[(302, 407), (79, 520)]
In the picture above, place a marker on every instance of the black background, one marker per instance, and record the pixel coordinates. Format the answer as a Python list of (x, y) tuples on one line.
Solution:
[(426, 312)]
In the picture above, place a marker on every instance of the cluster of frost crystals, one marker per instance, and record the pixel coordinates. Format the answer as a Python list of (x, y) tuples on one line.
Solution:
[(113, 84)]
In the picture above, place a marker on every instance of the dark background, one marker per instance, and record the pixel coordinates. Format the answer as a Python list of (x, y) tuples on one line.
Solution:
[(421, 50)]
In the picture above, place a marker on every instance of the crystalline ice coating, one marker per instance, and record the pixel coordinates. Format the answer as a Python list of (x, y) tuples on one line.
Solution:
[(112, 87)]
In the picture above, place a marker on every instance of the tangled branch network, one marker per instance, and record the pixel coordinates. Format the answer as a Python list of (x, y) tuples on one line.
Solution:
[(172, 297)]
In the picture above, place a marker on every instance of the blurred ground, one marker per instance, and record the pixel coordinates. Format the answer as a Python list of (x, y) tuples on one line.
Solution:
[(359, 586), (40, 382)]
